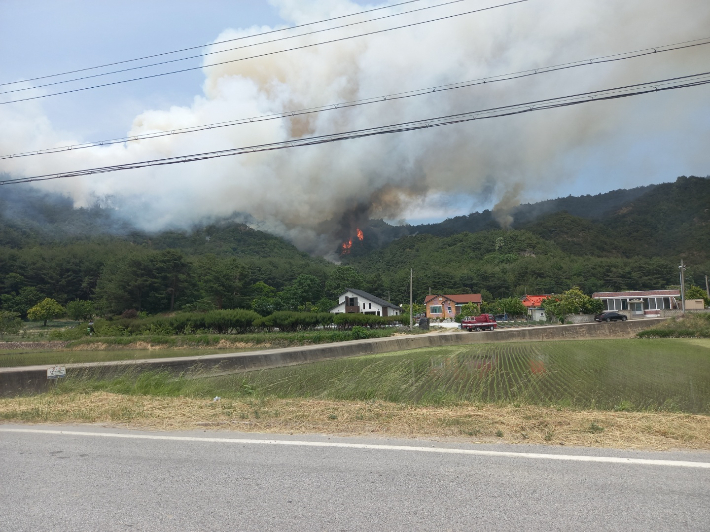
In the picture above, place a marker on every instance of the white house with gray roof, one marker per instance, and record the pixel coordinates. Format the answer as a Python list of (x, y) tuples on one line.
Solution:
[(357, 301)]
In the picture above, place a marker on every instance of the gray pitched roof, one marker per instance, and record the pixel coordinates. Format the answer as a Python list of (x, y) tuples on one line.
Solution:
[(372, 298)]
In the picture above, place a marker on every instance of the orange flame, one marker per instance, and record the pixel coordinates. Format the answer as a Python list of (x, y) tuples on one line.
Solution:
[(346, 247), (360, 235)]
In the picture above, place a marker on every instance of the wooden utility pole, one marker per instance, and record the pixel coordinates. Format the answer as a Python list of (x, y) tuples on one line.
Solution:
[(682, 283), (411, 316), (707, 287)]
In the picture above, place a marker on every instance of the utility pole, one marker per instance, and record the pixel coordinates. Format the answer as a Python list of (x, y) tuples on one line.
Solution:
[(411, 316), (682, 284), (707, 287)]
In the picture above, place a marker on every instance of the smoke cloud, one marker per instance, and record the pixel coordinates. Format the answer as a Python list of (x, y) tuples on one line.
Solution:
[(317, 196)]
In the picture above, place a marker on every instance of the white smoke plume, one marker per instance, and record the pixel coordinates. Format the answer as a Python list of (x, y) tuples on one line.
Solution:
[(314, 195)]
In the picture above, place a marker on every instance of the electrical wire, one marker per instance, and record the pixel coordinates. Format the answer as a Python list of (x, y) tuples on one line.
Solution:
[(263, 54), (230, 49), (376, 99), (693, 80), (209, 44)]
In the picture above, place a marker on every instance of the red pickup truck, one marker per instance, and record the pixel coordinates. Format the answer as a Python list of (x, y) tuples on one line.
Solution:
[(484, 322)]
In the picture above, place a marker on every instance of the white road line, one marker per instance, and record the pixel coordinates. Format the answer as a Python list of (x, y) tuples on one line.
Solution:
[(374, 447)]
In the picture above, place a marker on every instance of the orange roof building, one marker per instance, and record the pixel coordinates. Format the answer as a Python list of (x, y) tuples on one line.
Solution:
[(534, 301)]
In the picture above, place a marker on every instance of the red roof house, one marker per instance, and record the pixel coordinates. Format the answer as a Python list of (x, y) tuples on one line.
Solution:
[(449, 306), (534, 301)]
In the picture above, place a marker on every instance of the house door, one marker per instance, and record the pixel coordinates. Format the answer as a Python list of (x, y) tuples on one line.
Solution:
[(636, 308)]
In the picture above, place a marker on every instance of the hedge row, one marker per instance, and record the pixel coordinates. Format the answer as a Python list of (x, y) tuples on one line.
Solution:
[(236, 322), (218, 321)]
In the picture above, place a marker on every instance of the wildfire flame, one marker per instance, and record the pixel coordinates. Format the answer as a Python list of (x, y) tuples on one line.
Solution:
[(347, 246)]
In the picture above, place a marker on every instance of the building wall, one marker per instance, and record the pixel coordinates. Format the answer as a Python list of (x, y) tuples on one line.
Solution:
[(448, 308), (364, 306)]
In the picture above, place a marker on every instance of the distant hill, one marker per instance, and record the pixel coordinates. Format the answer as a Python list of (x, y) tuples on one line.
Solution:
[(586, 207), (668, 220)]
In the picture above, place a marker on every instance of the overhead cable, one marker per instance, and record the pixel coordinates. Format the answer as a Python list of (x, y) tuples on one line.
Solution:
[(375, 99), (693, 80), (209, 44), (228, 49), (266, 54)]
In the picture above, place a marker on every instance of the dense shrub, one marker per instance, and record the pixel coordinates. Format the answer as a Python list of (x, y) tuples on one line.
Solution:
[(217, 321), (294, 321), (348, 321)]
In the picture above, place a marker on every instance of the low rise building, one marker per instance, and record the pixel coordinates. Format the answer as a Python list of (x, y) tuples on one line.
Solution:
[(640, 303), (359, 301), (440, 306), (534, 306)]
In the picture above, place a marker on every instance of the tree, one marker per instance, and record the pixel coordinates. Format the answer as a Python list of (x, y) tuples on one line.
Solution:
[(27, 297), (80, 310), (418, 309), (695, 292), (470, 309), (344, 277), (10, 323), (573, 301), (45, 310), (171, 269), (304, 289)]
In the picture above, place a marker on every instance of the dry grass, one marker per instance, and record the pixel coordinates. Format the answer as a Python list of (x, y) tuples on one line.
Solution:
[(471, 423)]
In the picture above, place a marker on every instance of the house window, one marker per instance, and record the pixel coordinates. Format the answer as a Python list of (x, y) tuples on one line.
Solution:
[(624, 304), (458, 309), (666, 302), (435, 309), (363, 306), (370, 305)]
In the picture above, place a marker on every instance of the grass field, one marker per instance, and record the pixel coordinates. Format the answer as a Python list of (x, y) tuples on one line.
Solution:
[(645, 394), (19, 357), (619, 375)]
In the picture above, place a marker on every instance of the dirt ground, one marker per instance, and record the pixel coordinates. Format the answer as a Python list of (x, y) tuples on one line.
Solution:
[(471, 423)]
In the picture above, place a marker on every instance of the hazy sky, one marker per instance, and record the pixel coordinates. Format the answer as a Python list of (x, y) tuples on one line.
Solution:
[(301, 193)]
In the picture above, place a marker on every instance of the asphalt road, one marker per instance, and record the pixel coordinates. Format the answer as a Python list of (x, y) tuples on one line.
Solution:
[(79, 478)]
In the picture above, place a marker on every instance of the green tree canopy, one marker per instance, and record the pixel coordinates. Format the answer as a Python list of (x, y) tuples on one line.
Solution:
[(304, 289), (80, 310), (10, 323), (344, 277), (45, 310), (573, 301)]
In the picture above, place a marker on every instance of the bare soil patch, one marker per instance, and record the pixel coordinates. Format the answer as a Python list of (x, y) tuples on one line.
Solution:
[(470, 423)]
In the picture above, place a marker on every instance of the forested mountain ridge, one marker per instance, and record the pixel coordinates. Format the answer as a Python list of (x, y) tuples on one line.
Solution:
[(585, 207), (669, 220), (49, 249)]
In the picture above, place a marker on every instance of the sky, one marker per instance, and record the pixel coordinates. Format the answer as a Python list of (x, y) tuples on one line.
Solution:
[(317, 195)]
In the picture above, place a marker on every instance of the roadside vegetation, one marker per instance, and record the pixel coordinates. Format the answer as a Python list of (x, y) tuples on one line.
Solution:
[(689, 326)]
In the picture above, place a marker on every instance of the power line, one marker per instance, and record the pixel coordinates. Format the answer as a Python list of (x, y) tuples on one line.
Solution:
[(693, 80), (228, 49), (209, 44), (264, 54), (377, 99)]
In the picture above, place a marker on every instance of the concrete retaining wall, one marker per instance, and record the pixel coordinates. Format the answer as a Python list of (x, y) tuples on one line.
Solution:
[(33, 379)]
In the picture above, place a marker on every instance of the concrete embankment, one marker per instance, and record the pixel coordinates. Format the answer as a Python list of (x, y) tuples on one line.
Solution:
[(33, 379)]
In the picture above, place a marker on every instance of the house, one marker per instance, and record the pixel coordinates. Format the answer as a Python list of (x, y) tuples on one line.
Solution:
[(449, 306), (358, 301), (534, 306), (640, 303)]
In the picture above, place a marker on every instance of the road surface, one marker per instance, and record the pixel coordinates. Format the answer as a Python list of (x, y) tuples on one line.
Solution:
[(78, 478)]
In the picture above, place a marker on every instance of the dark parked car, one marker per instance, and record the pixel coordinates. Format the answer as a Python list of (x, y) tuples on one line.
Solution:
[(610, 316)]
